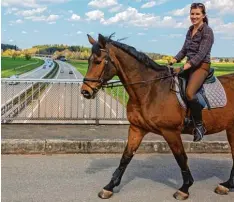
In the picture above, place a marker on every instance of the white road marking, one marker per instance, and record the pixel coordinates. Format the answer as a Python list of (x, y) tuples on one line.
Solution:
[(109, 108), (42, 97)]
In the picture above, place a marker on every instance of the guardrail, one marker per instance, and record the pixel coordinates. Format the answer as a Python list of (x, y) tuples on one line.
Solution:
[(60, 101), (8, 108)]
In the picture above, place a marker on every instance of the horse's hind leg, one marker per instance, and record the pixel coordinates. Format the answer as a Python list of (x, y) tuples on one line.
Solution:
[(224, 187), (135, 137), (175, 143)]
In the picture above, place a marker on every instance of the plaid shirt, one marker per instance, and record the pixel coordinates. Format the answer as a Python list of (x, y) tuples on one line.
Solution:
[(197, 48)]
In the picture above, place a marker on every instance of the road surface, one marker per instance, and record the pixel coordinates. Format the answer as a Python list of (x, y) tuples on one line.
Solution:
[(70, 178)]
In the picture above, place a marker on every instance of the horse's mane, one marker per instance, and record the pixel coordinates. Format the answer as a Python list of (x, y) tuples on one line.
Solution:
[(141, 57)]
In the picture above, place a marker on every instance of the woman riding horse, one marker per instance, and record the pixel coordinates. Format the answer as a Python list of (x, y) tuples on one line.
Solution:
[(197, 48)]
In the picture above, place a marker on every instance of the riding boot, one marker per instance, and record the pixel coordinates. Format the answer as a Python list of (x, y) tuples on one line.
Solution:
[(196, 114)]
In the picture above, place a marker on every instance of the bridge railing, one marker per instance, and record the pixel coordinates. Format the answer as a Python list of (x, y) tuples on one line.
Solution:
[(60, 101)]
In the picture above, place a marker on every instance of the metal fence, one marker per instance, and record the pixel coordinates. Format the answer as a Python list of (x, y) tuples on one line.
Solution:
[(59, 101)]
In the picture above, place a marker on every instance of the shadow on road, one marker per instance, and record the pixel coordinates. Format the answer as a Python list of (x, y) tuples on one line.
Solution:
[(164, 169)]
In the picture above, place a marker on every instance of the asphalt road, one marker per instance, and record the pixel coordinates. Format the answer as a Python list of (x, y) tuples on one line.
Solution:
[(61, 101), (10, 91), (70, 178)]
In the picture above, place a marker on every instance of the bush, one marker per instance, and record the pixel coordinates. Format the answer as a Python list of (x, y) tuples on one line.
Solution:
[(27, 56)]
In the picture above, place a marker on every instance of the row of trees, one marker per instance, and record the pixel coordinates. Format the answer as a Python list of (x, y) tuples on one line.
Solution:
[(70, 52)]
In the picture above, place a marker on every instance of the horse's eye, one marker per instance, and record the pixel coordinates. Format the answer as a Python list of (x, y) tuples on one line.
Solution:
[(97, 62)]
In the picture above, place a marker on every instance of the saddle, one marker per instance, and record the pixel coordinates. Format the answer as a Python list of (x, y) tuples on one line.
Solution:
[(210, 95)]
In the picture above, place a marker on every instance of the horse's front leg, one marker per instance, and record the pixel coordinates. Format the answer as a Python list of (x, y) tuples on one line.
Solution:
[(174, 141), (135, 137)]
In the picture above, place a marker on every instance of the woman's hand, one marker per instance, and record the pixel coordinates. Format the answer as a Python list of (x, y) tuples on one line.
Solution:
[(187, 65), (173, 60)]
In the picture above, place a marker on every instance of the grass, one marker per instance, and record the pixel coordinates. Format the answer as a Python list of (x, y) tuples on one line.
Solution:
[(11, 66), (82, 66), (220, 68)]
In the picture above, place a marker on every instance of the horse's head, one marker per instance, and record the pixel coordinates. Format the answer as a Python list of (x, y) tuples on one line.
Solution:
[(101, 67)]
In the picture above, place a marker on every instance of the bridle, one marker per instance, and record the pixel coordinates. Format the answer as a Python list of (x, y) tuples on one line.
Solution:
[(100, 79), (108, 60)]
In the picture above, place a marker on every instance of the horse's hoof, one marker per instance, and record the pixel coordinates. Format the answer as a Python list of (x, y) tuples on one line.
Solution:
[(220, 189), (179, 195), (105, 194)]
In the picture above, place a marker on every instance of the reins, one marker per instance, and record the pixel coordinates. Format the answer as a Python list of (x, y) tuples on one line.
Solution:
[(111, 84)]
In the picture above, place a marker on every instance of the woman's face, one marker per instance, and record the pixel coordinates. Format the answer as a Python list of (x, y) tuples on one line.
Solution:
[(196, 16)]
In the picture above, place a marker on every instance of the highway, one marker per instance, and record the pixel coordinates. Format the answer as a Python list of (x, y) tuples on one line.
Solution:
[(64, 101), (10, 91)]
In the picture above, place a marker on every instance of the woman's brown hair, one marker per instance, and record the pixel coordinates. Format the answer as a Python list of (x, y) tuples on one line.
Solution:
[(203, 9)]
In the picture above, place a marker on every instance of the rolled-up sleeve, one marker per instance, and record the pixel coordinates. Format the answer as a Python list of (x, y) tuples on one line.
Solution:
[(204, 48), (180, 56)]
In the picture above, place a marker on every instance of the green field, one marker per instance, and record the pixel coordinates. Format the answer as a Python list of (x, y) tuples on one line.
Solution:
[(82, 65), (11, 66), (220, 68)]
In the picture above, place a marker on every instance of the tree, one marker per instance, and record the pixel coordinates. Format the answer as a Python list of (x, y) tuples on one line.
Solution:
[(221, 60), (27, 56), (14, 55), (226, 60)]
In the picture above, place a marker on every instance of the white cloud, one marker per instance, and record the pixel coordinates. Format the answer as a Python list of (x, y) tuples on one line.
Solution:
[(70, 11), (140, 34), (227, 29), (181, 12), (74, 17), (102, 3), (135, 18), (52, 18), (23, 32), (79, 32), (11, 40), (30, 3), (49, 18), (36, 31), (149, 4), (95, 15), (153, 40), (91, 33), (10, 10), (31, 12), (18, 21), (223, 6), (51, 23), (132, 16), (116, 8)]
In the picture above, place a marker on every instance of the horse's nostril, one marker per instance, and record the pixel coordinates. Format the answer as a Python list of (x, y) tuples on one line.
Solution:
[(85, 93)]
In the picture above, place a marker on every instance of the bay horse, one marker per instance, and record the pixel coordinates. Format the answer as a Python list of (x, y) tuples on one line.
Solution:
[(152, 107)]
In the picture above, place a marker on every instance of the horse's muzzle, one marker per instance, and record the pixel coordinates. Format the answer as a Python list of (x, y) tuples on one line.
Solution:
[(86, 94)]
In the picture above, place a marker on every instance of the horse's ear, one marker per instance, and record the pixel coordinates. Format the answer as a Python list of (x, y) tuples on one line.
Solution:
[(91, 40), (102, 41)]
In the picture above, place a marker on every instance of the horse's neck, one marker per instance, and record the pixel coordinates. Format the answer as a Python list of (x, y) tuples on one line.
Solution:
[(132, 71)]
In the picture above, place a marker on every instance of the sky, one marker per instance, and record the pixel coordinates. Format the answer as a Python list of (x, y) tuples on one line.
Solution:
[(157, 26)]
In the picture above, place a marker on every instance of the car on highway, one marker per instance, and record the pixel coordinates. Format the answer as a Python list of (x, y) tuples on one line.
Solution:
[(70, 72), (14, 77), (44, 67), (61, 71)]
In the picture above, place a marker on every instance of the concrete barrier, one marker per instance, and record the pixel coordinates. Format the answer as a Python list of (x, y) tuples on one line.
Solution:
[(57, 146)]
